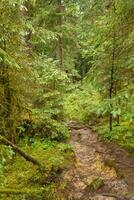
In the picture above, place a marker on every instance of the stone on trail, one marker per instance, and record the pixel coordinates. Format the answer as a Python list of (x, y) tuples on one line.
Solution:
[(100, 197)]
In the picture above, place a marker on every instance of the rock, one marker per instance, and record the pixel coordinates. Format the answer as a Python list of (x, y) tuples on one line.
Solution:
[(95, 184), (130, 196), (100, 197)]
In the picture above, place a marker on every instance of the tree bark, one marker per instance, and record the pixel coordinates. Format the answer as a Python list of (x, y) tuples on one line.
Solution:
[(8, 121), (111, 93), (59, 44), (111, 90)]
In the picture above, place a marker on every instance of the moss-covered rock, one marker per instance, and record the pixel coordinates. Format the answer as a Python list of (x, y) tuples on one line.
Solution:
[(95, 184)]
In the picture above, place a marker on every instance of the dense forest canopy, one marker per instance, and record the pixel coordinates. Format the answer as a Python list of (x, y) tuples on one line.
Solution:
[(62, 61)]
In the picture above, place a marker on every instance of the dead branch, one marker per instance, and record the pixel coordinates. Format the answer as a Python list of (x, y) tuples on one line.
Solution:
[(15, 148)]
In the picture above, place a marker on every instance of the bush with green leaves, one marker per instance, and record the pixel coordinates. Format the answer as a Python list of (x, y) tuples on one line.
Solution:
[(122, 135), (79, 103), (47, 104)]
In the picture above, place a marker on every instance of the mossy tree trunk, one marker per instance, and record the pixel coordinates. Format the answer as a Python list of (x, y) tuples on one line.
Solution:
[(8, 119)]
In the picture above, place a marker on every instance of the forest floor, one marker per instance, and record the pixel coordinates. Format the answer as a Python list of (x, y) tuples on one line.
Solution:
[(102, 171)]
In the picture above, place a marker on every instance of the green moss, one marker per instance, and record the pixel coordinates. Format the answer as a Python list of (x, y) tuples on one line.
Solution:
[(23, 176), (96, 184)]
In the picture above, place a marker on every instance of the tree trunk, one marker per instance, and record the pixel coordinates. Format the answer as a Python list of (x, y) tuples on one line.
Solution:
[(112, 84), (28, 32), (59, 44), (8, 121)]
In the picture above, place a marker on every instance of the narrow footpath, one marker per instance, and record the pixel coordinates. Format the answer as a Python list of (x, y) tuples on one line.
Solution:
[(102, 171)]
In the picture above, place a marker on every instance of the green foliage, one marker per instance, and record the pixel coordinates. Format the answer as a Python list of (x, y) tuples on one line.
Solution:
[(50, 21), (122, 135), (48, 103), (46, 49), (80, 103), (8, 60), (6, 154), (57, 130), (53, 155)]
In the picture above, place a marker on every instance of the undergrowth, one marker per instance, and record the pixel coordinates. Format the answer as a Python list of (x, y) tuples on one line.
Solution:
[(79, 104), (122, 135), (84, 104), (24, 176)]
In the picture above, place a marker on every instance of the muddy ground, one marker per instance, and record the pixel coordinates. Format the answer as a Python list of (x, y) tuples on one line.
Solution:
[(102, 171)]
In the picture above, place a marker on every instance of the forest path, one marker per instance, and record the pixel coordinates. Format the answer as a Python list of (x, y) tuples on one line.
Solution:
[(97, 161)]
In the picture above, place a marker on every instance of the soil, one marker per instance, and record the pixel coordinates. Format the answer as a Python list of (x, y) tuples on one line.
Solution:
[(96, 160)]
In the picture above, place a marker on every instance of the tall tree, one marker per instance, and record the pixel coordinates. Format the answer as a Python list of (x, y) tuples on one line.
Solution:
[(10, 34)]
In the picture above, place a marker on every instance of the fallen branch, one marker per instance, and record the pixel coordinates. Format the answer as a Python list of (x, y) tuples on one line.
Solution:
[(113, 195), (15, 148)]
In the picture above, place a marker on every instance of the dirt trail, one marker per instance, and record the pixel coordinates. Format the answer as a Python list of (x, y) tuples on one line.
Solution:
[(96, 160)]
